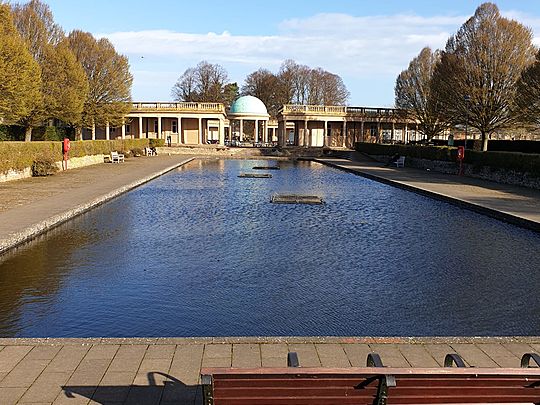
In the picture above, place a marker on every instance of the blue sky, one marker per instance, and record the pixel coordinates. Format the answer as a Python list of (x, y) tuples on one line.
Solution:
[(367, 43)]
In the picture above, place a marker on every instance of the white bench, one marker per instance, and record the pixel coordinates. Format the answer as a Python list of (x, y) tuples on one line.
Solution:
[(400, 162), (117, 157)]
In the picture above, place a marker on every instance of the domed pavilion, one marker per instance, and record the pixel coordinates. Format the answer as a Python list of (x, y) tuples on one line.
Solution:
[(249, 108)]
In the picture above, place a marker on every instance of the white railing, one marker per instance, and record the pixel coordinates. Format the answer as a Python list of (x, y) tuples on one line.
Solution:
[(340, 110), (179, 106)]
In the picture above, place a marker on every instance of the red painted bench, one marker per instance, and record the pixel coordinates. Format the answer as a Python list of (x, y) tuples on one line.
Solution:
[(374, 384)]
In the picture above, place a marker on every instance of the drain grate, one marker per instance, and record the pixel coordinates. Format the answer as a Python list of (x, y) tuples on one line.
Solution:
[(296, 199), (256, 175), (266, 167)]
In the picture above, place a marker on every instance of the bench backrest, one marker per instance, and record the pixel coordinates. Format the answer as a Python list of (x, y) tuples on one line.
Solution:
[(361, 386)]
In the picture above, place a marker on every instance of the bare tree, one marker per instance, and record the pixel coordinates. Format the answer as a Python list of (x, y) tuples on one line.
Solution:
[(334, 90), (263, 84), (414, 95), (185, 89), (35, 21), (203, 83), (528, 94), (479, 69)]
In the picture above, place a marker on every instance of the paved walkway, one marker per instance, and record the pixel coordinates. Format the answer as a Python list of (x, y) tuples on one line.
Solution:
[(518, 205), (30, 206), (166, 371)]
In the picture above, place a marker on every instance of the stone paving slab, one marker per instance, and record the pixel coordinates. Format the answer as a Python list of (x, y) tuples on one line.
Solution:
[(134, 371), (514, 204)]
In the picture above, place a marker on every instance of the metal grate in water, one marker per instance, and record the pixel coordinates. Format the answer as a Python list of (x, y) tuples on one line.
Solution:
[(296, 199), (256, 175), (266, 167)]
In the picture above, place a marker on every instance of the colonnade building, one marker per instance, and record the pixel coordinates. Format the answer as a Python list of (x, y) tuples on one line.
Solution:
[(247, 122)]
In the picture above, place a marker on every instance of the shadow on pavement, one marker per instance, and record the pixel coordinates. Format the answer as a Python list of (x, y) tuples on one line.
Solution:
[(168, 390)]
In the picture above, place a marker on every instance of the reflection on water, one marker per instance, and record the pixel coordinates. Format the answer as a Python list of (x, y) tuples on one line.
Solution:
[(201, 252)]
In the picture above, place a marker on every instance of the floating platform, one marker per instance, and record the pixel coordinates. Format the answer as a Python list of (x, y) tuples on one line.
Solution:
[(256, 175), (296, 199), (266, 167)]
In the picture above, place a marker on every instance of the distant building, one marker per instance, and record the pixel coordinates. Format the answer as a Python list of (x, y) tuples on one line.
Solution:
[(248, 121)]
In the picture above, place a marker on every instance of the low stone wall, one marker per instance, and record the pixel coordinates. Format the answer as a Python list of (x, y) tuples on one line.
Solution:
[(73, 163), (226, 152), (484, 173), (15, 174)]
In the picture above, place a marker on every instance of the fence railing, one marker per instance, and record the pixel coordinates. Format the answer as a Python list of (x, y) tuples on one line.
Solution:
[(341, 110), (179, 106)]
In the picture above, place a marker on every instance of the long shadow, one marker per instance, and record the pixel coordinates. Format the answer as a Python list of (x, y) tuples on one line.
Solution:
[(168, 390)]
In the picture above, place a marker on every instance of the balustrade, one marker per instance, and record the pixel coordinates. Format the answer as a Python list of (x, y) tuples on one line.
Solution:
[(180, 106)]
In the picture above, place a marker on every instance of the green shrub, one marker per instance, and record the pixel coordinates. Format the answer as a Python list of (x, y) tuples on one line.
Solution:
[(136, 151), (156, 143), (421, 152), (44, 166), (20, 155), (520, 162), (52, 134)]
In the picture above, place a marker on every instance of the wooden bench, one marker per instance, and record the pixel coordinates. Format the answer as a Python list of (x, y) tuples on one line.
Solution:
[(373, 384)]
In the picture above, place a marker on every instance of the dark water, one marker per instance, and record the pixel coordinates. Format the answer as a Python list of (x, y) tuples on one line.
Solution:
[(201, 252)]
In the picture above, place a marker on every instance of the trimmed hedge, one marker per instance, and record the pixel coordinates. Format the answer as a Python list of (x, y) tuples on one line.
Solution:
[(421, 152), (20, 155), (520, 162)]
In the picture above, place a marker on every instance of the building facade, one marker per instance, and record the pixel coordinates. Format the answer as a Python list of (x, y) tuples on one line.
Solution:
[(248, 122)]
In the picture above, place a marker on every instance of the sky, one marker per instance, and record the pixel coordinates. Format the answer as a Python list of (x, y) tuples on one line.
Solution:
[(367, 43)]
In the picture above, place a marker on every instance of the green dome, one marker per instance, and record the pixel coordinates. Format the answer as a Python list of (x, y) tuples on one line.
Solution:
[(248, 105)]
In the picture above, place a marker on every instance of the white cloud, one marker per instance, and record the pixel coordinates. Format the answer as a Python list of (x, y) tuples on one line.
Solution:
[(357, 48)]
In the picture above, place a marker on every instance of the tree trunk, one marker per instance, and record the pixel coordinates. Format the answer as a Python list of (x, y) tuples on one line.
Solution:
[(28, 134), (78, 133), (485, 140)]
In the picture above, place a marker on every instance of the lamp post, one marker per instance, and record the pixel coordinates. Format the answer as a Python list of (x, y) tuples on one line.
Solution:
[(467, 99)]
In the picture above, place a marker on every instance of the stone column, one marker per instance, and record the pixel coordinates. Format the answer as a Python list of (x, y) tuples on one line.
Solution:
[(107, 131), (285, 133), (241, 130), (123, 130), (221, 132), (256, 131), (393, 131), (180, 137), (140, 127), (362, 130), (325, 134), (405, 135), (201, 131), (344, 130), (379, 132), (158, 127)]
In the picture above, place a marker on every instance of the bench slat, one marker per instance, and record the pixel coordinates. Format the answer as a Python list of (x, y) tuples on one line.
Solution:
[(342, 381)]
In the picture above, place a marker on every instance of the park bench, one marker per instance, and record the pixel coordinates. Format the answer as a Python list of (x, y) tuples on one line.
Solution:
[(117, 157), (400, 162), (374, 384)]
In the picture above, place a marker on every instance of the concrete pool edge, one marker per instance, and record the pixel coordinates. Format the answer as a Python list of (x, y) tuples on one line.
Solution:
[(39, 228), (272, 340), (481, 209)]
